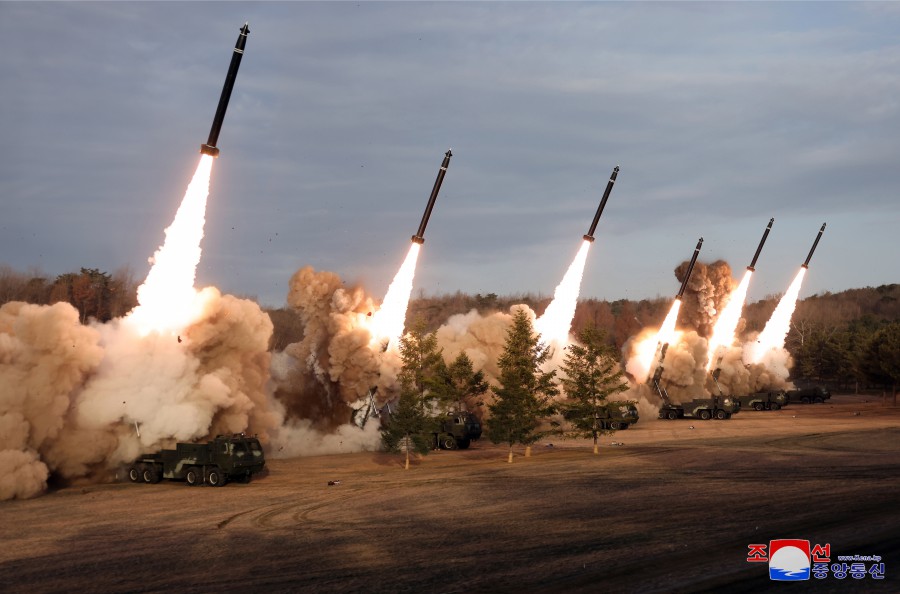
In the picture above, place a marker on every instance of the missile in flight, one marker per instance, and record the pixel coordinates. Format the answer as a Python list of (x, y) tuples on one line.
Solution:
[(690, 269), (762, 242), (609, 186), (813, 248), (210, 147), (419, 237)]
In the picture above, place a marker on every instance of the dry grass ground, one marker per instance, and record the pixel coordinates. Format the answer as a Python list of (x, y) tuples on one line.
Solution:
[(673, 509)]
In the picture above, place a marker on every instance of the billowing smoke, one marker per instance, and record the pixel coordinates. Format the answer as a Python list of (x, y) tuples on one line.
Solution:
[(334, 365), (481, 337), (78, 401), (708, 290), (685, 367), (740, 379)]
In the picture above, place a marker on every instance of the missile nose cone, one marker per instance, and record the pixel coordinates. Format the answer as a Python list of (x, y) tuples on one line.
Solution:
[(246, 28)]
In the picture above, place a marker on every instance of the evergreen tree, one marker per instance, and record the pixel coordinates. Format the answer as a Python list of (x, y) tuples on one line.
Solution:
[(406, 428), (592, 375), (889, 352), (464, 384), (422, 391), (883, 356), (524, 393)]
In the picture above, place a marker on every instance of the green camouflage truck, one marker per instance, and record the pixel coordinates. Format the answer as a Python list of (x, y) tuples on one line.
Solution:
[(456, 430), (764, 400), (816, 394), (618, 415), (227, 457), (717, 407)]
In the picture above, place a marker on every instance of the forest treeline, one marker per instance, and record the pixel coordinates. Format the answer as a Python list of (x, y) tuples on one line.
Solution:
[(842, 338)]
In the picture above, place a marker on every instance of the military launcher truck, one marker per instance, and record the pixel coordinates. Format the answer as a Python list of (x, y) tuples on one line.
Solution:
[(764, 400), (456, 430), (612, 415), (618, 415), (717, 407), (816, 394), (227, 457)]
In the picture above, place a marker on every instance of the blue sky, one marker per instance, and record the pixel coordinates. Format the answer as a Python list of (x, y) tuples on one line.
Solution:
[(720, 115)]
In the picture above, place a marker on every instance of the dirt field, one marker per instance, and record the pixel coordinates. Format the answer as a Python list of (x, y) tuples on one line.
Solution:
[(673, 509)]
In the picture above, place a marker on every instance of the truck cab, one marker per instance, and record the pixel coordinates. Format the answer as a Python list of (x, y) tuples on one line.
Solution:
[(457, 430), (764, 400), (816, 394), (618, 416), (234, 457)]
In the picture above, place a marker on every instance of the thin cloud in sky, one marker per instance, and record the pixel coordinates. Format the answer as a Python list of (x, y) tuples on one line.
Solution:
[(721, 115)]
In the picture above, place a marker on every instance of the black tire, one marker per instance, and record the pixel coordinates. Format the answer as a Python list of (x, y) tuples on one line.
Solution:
[(721, 415), (805, 400), (150, 474), (193, 477), (214, 477), (614, 425), (776, 406), (728, 416), (135, 473), (448, 442), (464, 444), (819, 400), (672, 415), (705, 415), (758, 406)]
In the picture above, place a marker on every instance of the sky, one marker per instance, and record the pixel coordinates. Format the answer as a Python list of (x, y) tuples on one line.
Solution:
[(720, 116)]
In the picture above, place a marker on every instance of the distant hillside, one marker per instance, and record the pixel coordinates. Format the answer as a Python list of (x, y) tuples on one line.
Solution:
[(623, 318), (830, 338)]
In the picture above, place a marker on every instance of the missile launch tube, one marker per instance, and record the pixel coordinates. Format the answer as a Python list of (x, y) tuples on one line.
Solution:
[(419, 237), (609, 186), (762, 242), (815, 244), (210, 147), (690, 269)]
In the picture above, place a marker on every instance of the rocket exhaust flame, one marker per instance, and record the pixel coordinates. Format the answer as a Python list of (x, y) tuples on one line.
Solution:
[(167, 300), (723, 332), (554, 325), (388, 322), (646, 350), (556, 322), (726, 325), (639, 366), (773, 335)]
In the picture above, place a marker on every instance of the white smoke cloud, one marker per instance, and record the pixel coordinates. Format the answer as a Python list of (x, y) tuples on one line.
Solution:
[(72, 395)]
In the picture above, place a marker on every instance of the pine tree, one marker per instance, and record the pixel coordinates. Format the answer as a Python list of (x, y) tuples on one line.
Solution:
[(464, 384), (592, 375), (524, 393), (406, 428), (422, 390)]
